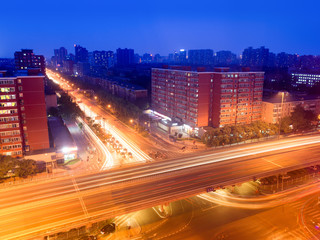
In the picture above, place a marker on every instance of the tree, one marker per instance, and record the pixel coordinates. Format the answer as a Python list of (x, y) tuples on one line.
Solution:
[(238, 133), (21, 168), (286, 122), (302, 119), (26, 168), (7, 163)]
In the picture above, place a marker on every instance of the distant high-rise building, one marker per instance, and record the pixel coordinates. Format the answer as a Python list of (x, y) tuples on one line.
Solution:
[(147, 58), (68, 66), (308, 62), (102, 59), (70, 57), (23, 114), (171, 58), (182, 57), (26, 59), (81, 54), (225, 58), (82, 68), (272, 60), (137, 58), (200, 57), (158, 58), (60, 55), (125, 57), (255, 57), (305, 78), (285, 60)]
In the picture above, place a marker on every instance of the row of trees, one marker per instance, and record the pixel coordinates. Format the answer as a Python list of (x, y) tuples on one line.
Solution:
[(299, 120), (67, 109), (239, 133), (10, 166), (123, 109)]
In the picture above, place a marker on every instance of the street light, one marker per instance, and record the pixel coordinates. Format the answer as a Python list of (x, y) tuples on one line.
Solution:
[(109, 106), (131, 121)]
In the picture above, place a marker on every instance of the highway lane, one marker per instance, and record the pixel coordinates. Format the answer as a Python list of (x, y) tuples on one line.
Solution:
[(116, 202), (107, 178), (128, 140), (91, 109), (117, 192)]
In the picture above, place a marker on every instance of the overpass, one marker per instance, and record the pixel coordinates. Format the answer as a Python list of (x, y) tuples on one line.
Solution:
[(29, 210)]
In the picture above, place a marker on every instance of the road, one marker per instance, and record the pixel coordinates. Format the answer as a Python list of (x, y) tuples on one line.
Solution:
[(138, 145), (34, 208), (291, 214), (90, 107), (294, 216)]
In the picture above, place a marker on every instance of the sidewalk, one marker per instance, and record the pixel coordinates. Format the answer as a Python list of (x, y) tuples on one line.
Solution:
[(288, 184), (184, 145)]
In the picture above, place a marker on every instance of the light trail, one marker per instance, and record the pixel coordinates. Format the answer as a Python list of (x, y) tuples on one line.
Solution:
[(118, 135), (261, 202), (105, 199), (108, 161)]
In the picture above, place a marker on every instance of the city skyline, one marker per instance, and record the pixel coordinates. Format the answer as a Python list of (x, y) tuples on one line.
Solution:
[(160, 28), (159, 120)]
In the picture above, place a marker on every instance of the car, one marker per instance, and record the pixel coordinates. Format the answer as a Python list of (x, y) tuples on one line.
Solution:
[(109, 228)]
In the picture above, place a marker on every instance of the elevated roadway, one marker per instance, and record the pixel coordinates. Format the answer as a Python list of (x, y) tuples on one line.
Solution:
[(33, 209)]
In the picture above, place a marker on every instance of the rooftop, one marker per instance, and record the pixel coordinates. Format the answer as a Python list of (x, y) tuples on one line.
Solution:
[(60, 134), (123, 83), (277, 98), (200, 70)]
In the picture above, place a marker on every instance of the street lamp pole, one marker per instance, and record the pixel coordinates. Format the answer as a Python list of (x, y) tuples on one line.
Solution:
[(281, 106)]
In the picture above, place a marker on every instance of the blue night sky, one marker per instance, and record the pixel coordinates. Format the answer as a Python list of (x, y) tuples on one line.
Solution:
[(159, 26)]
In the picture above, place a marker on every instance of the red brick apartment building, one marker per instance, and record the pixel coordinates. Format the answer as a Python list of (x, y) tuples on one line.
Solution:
[(201, 99), (23, 118)]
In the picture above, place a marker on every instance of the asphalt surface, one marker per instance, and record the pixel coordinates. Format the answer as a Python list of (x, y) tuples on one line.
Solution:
[(28, 210)]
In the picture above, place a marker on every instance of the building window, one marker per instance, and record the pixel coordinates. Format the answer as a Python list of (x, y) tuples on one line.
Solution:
[(8, 89)]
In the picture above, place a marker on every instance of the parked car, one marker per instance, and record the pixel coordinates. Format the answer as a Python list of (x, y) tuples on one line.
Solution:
[(109, 228)]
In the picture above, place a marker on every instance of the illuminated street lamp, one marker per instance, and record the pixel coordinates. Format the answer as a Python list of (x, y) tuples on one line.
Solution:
[(131, 121), (109, 106), (95, 97)]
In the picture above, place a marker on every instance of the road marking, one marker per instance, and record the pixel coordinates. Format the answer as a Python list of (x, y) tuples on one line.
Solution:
[(209, 208), (272, 162), (80, 197), (56, 215)]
